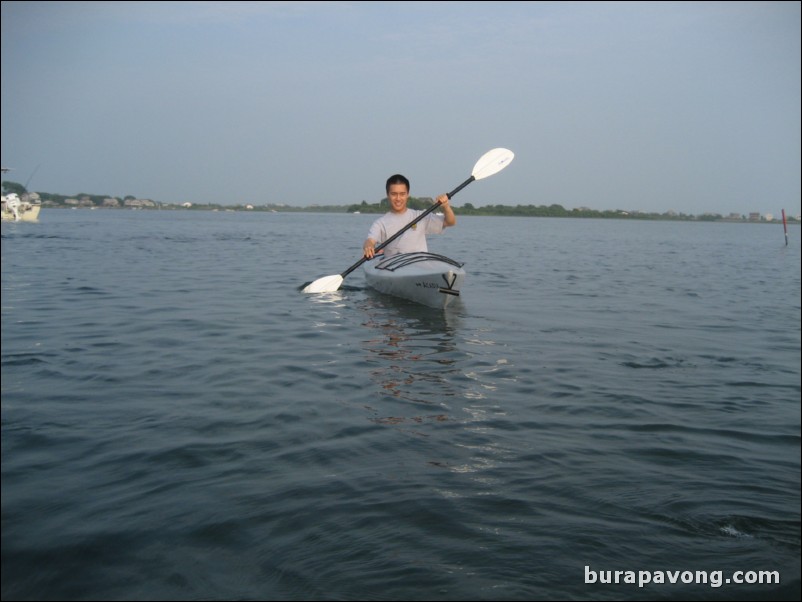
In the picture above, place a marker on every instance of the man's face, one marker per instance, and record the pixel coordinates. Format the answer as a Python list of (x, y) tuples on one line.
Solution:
[(398, 195)]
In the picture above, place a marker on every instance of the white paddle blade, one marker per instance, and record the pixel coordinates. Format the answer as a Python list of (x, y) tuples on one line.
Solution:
[(492, 162), (327, 284)]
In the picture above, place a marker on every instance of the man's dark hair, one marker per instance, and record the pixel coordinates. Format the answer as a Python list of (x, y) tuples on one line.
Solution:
[(396, 179)]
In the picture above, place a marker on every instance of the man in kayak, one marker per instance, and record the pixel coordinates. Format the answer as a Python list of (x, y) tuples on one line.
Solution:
[(414, 239)]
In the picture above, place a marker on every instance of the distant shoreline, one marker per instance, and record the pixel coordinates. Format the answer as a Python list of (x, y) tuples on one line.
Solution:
[(97, 201), (526, 211)]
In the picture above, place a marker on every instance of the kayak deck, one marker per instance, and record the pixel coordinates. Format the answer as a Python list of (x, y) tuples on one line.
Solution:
[(426, 278)]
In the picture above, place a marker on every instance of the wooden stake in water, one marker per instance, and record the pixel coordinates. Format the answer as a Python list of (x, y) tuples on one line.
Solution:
[(785, 229)]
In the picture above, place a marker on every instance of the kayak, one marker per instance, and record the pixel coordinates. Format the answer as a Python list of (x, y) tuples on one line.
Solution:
[(426, 278)]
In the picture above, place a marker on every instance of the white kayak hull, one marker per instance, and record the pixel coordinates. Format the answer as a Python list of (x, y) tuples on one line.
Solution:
[(424, 278)]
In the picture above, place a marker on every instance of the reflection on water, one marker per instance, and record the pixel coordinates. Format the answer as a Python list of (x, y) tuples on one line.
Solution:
[(433, 377), (335, 298), (434, 380), (413, 358)]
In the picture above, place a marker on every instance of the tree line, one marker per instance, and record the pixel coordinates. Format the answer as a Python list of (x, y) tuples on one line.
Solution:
[(553, 210), (419, 203)]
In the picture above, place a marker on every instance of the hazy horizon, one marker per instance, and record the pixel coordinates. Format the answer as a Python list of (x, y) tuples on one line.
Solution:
[(654, 107)]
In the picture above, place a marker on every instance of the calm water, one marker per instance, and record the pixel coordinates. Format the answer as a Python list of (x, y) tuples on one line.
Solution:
[(179, 422)]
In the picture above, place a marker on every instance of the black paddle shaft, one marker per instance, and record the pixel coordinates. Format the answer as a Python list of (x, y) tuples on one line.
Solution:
[(408, 226)]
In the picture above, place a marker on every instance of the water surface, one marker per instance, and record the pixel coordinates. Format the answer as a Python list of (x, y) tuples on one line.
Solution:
[(179, 422)]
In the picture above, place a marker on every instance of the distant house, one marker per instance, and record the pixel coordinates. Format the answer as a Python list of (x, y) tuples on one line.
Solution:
[(138, 203), (110, 202), (754, 217), (186, 205)]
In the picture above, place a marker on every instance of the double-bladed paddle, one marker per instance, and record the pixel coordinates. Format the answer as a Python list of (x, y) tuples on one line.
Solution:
[(490, 163)]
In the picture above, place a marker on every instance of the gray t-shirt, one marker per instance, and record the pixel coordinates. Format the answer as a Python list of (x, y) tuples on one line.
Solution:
[(411, 241)]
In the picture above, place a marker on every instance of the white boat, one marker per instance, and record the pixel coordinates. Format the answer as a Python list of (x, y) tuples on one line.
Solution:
[(426, 278), (16, 210)]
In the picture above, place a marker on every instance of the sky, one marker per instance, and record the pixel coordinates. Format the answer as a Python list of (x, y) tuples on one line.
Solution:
[(691, 107)]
